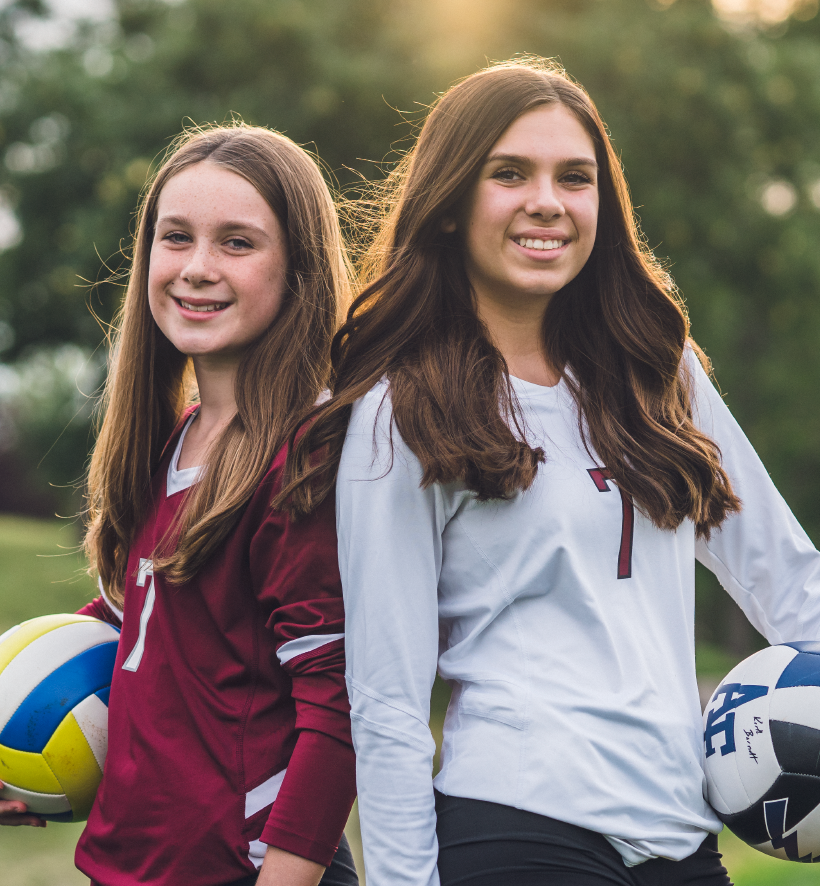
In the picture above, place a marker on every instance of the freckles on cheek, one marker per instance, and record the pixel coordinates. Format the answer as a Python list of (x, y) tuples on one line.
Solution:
[(160, 276)]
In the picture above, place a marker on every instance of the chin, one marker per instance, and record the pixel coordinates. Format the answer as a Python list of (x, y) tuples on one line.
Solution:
[(191, 349), (542, 289)]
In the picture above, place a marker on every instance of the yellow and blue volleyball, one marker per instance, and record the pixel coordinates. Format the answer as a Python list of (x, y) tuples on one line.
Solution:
[(55, 676)]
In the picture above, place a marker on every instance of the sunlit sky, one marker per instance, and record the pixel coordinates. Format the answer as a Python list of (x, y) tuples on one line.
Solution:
[(56, 31), (769, 11)]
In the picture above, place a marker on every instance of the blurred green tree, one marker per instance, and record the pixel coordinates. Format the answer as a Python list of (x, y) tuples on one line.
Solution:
[(83, 124)]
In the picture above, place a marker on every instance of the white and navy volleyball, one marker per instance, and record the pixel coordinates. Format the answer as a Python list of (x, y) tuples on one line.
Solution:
[(55, 674), (762, 751)]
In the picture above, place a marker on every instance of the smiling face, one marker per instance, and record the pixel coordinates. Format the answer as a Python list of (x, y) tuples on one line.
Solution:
[(218, 265), (530, 221)]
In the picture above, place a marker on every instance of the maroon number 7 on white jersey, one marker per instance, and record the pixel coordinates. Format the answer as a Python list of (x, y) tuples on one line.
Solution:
[(600, 476)]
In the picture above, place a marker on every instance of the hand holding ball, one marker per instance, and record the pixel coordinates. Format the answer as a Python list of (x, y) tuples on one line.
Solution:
[(762, 751), (55, 673)]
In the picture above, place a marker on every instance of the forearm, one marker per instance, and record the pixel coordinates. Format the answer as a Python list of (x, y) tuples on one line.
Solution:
[(761, 555), (282, 868), (313, 804), (396, 804)]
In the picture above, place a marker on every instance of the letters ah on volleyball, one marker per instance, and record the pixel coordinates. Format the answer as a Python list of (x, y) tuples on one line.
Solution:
[(55, 674), (762, 751)]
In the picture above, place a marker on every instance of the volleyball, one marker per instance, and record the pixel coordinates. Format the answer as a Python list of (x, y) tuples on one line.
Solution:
[(762, 751), (55, 674)]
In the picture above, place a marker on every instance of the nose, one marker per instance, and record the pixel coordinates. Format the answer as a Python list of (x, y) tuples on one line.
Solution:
[(201, 267), (544, 199)]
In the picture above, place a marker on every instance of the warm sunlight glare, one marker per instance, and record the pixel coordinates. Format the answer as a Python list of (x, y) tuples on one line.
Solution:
[(768, 12)]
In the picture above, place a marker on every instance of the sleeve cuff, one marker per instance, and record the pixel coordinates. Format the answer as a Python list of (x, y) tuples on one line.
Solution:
[(314, 802), (280, 838)]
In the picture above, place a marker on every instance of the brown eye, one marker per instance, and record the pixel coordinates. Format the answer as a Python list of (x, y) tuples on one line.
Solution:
[(507, 174)]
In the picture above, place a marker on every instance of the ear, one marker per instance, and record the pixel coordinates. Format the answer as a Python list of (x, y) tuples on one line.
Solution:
[(448, 225)]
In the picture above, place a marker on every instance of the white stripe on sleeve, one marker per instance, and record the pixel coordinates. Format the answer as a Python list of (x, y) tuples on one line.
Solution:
[(301, 645), (260, 797), (256, 852), (264, 794)]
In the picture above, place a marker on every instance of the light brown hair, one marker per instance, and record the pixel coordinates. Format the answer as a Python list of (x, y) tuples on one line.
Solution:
[(150, 383), (617, 332)]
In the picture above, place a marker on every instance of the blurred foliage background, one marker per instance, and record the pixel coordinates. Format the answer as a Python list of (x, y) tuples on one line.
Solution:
[(714, 108), (713, 105)]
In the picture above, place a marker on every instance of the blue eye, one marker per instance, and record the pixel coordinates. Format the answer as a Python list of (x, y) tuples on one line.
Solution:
[(177, 237)]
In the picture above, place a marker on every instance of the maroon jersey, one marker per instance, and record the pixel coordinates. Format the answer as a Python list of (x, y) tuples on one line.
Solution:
[(229, 723)]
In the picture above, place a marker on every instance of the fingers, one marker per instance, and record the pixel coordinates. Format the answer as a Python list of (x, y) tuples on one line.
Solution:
[(13, 813), (15, 820)]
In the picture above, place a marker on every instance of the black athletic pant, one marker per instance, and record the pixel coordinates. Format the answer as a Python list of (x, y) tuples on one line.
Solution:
[(342, 870), (488, 844)]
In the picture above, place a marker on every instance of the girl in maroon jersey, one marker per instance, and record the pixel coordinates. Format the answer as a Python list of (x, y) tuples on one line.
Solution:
[(229, 745)]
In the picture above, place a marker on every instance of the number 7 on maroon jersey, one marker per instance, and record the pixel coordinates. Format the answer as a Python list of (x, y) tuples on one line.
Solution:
[(600, 476)]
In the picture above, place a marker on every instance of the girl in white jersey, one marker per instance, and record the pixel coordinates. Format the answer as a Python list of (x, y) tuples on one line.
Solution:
[(530, 459)]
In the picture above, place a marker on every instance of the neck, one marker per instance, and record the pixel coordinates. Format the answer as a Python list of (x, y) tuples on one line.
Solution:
[(516, 332), (217, 407), (217, 398)]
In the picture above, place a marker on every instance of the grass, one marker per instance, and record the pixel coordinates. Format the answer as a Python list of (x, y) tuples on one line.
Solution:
[(41, 571), (747, 867), (40, 857), (713, 662)]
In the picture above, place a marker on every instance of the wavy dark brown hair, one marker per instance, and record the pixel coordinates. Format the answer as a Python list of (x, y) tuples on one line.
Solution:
[(617, 332), (150, 383)]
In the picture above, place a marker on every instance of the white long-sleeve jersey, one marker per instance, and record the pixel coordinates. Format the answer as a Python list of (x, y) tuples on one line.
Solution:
[(563, 619)]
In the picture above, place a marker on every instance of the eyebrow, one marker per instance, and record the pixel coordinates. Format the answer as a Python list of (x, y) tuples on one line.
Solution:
[(182, 221), (522, 161)]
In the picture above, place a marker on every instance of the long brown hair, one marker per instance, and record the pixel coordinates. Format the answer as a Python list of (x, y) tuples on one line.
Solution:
[(617, 332), (279, 379)]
